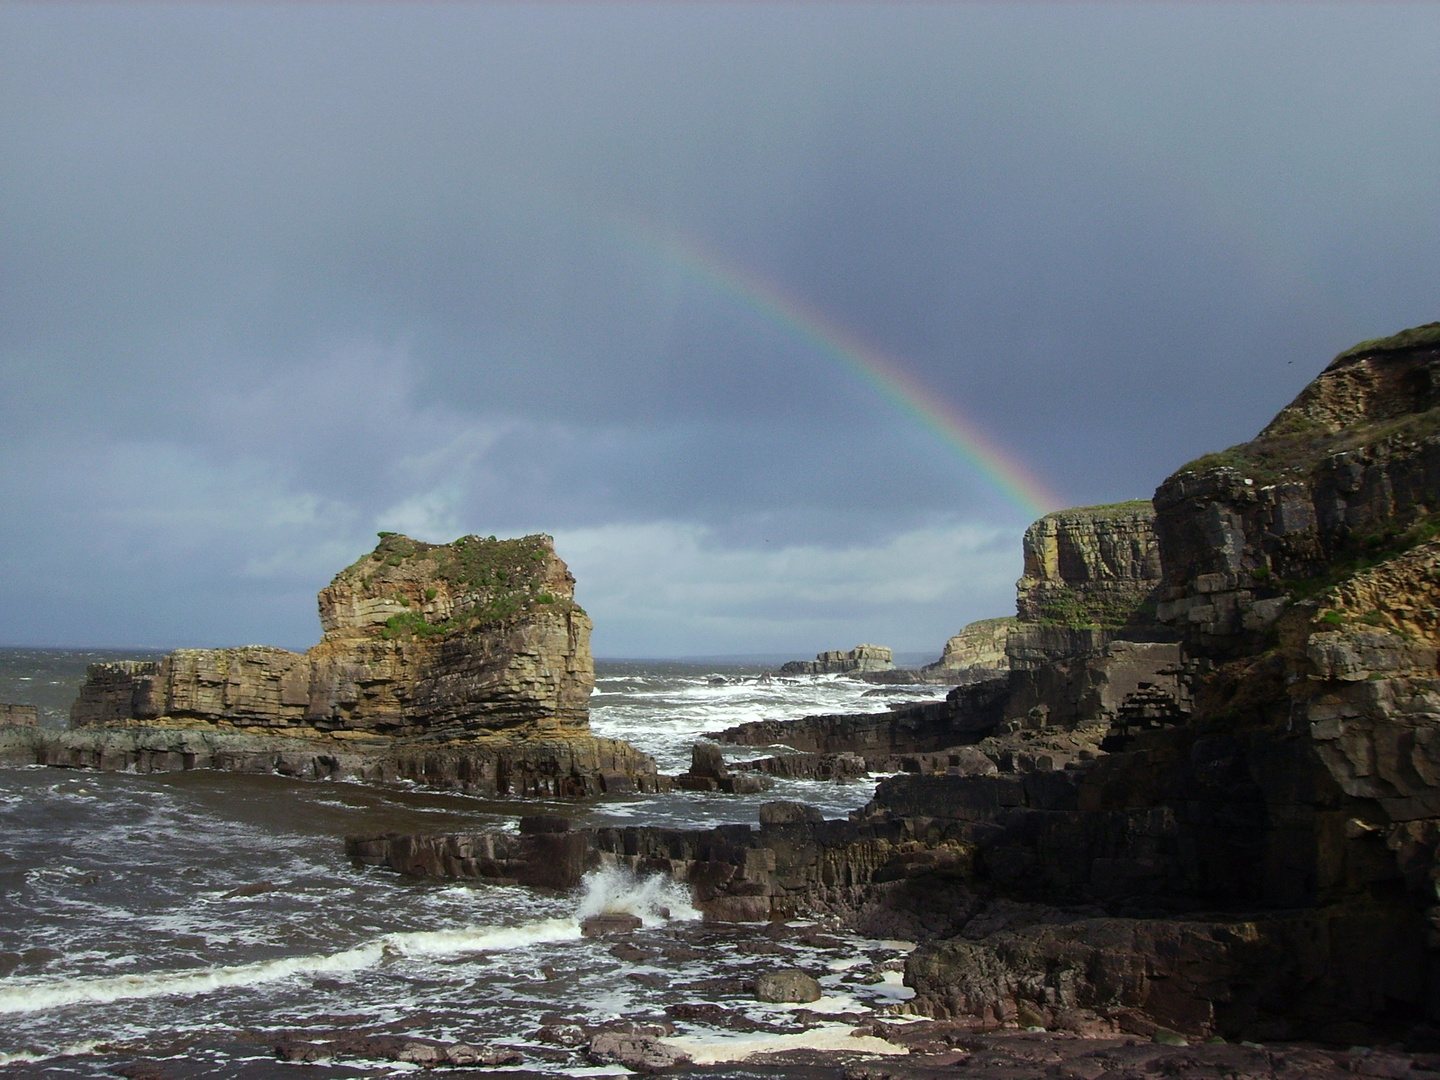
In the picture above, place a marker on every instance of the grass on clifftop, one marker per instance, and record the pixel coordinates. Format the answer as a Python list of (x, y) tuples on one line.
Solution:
[(1104, 512), (1414, 337), (1293, 449), (491, 580)]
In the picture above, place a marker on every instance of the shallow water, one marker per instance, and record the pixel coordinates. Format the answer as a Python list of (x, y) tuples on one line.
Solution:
[(190, 917)]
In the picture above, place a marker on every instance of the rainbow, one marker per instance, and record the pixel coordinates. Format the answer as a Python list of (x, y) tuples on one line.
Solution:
[(1011, 477)]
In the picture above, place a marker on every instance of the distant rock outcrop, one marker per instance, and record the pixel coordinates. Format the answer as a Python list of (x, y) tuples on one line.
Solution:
[(862, 658), (19, 715), (474, 651)]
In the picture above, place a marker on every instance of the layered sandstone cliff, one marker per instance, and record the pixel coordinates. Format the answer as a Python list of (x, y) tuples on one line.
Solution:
[(417, 637), (478, 645)]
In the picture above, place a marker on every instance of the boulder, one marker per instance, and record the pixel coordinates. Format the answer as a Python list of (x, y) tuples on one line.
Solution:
[(786, 985), (642, 1053)]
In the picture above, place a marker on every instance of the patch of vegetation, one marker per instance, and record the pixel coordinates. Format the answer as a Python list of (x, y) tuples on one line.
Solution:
[(490, 580), (1413, 338), (410, 624), (1233, 458), (1105, 512), (1331, 618), (1075, 610), (1362, 553)]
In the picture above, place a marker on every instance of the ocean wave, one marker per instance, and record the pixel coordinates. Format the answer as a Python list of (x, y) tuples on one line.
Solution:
[(655, 899), (33, 996)]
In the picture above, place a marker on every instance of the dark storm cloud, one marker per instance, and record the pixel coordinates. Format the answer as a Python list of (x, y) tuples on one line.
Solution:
[(273, 277)]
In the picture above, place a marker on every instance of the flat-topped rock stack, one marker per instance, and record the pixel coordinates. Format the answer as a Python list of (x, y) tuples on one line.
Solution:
[(465, 664), (862, 658)]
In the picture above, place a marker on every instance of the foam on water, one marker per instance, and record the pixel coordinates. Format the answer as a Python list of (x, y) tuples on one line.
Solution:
[(132, 900), (32, 996), (655, 900)]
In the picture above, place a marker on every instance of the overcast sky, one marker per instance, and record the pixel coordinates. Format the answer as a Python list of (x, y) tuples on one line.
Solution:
[(274, 277)]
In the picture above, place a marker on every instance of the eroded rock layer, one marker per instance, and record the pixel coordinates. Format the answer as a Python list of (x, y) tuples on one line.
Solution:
[(862, 658), (468, 661), (977, 652), (417, 637)]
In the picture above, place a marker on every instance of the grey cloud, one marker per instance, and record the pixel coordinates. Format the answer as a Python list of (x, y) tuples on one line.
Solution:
[(273, 277)]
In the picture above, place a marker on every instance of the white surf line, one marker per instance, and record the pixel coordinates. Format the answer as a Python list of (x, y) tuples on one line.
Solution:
[(50, 994), (715, 1050), (27, 1056)]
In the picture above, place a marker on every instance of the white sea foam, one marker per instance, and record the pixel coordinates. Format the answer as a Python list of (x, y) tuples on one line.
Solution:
[(715, 1049), (33, 996), (654, 899), (74, 1050)]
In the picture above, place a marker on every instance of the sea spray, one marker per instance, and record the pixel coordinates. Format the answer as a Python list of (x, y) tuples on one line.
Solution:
[(654, 899), (35, 995)]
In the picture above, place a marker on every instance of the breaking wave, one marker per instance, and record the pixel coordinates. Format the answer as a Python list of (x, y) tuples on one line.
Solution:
[(51, 994), (655, 899)]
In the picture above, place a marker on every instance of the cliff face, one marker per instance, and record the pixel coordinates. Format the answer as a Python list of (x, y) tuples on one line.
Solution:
[(417, 637), (1093, 566), (1237, 829), (1345, 476), (978, 648)]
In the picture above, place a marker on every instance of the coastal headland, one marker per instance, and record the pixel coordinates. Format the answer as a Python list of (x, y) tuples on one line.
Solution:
[(1202, 799)]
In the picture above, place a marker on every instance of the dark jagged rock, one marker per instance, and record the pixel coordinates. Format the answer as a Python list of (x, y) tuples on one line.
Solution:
[(837, 767), (966, 715), (708, 772)]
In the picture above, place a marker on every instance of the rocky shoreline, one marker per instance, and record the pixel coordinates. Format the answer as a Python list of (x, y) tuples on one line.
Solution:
[(1203, 799), (1198, 800)]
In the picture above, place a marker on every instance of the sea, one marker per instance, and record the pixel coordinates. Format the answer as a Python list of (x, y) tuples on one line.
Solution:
[(183, 924)]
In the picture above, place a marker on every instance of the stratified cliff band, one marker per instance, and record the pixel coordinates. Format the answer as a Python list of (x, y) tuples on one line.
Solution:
[(464, 664)]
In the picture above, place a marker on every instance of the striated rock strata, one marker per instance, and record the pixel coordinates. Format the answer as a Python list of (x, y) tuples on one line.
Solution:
[(19, 715), (976, 653), (862, 658), (466, 664)]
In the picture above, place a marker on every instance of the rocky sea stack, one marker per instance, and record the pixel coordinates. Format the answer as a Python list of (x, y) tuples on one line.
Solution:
[(465, 664)]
